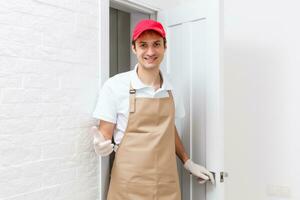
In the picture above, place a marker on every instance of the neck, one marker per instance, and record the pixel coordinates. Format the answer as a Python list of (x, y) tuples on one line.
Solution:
[(149, 77)]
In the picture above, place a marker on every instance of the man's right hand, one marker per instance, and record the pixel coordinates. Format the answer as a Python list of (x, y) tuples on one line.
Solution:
[(102, 147)]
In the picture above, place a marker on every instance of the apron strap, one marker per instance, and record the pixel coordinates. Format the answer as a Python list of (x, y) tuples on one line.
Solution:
[(132, 99), (170, 94)]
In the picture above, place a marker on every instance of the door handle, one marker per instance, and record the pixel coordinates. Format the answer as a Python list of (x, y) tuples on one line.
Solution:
[(222, 175)]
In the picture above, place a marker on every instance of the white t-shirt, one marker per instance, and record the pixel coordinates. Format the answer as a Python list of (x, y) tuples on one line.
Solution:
[(113, 99)]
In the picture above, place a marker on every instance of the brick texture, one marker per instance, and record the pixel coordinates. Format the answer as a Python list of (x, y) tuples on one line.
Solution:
[(48, 87)]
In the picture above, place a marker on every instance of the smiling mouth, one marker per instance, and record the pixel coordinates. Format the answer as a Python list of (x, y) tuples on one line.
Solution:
[(151, 59)]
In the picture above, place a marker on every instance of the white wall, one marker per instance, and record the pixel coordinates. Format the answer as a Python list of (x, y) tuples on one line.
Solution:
[(48, 86), (262, 99)]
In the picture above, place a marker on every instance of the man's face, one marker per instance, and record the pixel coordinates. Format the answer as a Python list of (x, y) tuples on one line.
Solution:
[(149, 49)]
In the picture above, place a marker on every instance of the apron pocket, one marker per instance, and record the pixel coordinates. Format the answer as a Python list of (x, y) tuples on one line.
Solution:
[(137, 166), (140, 191)]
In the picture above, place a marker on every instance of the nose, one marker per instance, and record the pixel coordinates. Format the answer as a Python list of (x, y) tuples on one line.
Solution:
[(150, 51)]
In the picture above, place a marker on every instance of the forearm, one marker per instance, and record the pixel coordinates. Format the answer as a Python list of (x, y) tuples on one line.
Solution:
[(180, 151), (106, 129)]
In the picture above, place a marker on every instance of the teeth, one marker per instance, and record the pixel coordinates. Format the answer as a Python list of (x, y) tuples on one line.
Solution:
[(151, 59)]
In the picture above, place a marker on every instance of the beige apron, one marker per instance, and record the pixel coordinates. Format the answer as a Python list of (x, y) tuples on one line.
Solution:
[(145, 162)]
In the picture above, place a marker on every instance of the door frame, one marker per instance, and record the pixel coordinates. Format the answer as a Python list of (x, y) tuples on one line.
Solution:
[(104, 5)]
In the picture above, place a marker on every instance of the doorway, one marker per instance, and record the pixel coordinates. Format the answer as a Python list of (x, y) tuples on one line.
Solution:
[(185, 20), (119, 41)]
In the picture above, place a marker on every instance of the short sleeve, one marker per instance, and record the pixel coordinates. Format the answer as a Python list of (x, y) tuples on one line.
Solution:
[(106, 108)]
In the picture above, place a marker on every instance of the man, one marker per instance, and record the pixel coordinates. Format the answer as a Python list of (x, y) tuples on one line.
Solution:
[(137, 107)]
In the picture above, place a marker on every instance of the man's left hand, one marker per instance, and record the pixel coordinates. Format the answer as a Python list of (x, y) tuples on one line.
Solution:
[(199, 171)]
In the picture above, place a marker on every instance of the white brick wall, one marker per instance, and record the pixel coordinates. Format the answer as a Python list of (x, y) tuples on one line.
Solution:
[(48, 87)]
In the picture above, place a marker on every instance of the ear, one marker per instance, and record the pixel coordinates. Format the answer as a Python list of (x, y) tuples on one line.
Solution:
[(165, 45), (133, 49)]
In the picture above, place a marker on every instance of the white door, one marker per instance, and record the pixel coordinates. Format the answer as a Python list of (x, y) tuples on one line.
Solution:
[(193, 62)]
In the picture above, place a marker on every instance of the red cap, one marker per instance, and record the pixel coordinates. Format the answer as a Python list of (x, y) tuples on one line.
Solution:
[(145, 25)]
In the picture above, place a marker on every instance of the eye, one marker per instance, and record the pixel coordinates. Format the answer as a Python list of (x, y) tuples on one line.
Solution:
[(143, 45), (156, 44)]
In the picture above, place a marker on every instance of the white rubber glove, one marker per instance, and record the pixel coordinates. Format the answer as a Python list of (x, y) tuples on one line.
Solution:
[(199, 171), (102, 146)]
